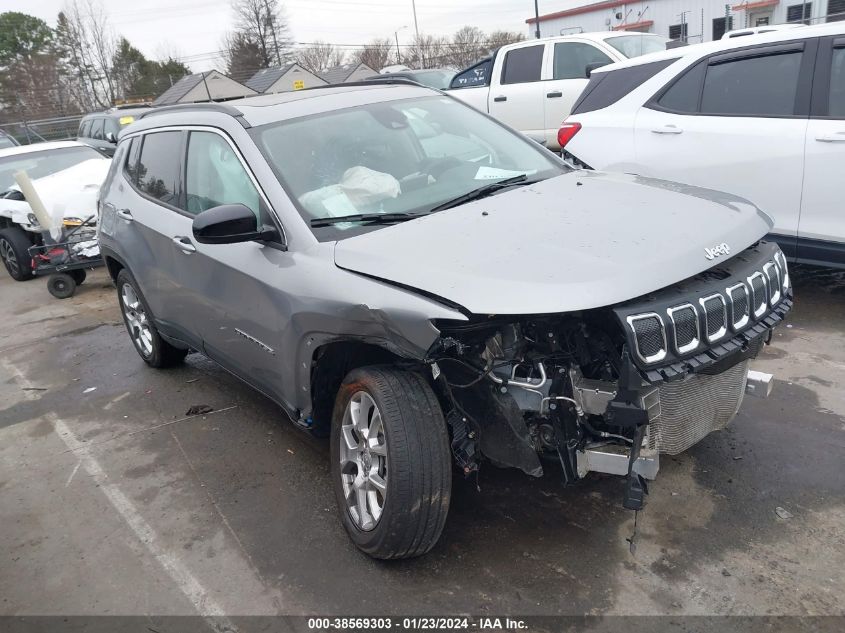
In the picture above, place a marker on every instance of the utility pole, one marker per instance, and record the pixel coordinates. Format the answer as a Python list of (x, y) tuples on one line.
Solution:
[(416, 26), (537, 20), (398, 52), (271, 22)]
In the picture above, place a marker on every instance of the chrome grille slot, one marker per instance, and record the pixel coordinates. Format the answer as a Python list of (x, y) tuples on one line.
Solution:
[(780, 260), (715, 316), (691, 409), (759, 298), (773, 276), (649, 336), (738, 298), (684, 320)]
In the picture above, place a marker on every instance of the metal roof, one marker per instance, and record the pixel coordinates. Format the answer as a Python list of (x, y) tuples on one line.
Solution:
[(179, 89), (266, 77), (339, 74)]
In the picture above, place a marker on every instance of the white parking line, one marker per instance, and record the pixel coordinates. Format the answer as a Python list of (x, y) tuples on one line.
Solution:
[(189, 585)]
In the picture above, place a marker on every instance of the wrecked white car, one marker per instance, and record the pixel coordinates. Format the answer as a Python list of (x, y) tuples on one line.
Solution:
[(66, 178), (436, 294)]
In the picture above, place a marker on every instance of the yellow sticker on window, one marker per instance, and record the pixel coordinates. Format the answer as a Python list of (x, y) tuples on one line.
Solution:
[(126, 120), (299, 84)]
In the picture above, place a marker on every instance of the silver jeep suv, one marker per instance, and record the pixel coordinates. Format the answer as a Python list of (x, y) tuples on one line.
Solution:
[(404, 273)]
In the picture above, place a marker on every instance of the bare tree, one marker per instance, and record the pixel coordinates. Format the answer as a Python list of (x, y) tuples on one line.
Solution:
[(497, 39), (377, 54), (319, 56), (428, 51), (467, 46), (264, 23)]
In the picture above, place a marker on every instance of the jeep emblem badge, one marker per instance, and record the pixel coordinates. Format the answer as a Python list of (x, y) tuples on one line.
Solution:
[(717, 251)]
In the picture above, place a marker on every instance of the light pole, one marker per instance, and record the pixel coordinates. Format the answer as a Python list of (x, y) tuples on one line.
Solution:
[(396, 35), (537, 18), (416, 26)]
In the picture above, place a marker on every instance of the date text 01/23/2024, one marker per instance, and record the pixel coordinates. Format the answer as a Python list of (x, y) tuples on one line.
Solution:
[(416, 624)]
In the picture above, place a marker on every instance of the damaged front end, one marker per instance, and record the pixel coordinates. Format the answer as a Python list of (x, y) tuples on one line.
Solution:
[(609, 389)]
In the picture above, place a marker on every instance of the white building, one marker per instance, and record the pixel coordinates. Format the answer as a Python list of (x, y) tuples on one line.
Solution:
[(689, 20)]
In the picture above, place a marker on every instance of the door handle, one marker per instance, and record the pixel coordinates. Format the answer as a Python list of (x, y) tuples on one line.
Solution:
[(838, 137), (125, 214), (554, 95), (184, 244), (499, 99), (668, 129)]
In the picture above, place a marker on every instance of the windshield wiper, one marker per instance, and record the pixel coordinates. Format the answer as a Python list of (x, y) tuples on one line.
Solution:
[(483, 192), (366, 218)]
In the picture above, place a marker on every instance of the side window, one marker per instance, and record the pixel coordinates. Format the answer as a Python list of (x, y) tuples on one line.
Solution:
[(761, 86), (111, 126), (215, 175), (607, 88), (84, 126), (96, 129), (523, 65), (683, 95), (478, 75), (572, 59), (158, 167), (836, 102), (131, 167)]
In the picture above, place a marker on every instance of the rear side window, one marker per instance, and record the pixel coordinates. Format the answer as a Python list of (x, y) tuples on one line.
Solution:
[(158, 167), (761, 86), (605, 89), (684, 94), (478, 75), (836, 103), (572, 59), (111, 126), (523, 65), (84, 127)]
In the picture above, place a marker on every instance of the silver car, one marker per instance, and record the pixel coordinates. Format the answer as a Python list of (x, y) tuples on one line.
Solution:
[(405, 274)]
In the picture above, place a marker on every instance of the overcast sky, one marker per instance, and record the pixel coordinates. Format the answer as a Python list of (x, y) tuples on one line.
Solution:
[(194, 29)]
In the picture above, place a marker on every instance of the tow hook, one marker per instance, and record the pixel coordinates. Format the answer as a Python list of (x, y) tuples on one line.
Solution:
[(759, 384)]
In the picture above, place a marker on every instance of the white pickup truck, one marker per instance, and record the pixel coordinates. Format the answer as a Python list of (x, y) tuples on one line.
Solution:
[(532, 85)]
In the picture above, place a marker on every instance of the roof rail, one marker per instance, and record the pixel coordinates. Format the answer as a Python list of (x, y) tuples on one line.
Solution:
[(372, 82), (197, 107)]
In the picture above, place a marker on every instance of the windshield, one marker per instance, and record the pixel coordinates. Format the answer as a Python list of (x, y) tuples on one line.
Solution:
[(439, 79), (6, 141), (398, 157), (636, 45), (39, 164)]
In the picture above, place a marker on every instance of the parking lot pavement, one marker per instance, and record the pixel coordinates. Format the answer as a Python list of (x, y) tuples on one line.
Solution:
[(112, 501)]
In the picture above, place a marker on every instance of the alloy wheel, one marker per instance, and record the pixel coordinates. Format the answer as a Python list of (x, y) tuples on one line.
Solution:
[(7, 254), (363, 461), (136, 319)]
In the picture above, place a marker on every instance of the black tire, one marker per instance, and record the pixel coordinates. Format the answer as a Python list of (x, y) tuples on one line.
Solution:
[(14, 251), (419, 479), (61, 285), (160, 353), (78, 275)]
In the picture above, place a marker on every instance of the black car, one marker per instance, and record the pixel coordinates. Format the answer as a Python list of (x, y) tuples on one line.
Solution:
[(100, 129)]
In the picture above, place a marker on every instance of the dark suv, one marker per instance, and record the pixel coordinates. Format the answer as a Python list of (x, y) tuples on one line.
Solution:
[(100, 129)]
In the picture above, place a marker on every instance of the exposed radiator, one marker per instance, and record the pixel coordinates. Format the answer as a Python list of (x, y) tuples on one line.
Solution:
[(692, 408)]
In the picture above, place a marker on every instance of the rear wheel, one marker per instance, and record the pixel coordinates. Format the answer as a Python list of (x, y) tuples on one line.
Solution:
[(14, 252), (390, 462), (153, 349)]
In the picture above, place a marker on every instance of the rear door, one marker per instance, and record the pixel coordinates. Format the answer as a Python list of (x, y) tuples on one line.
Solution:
[(821, 229), (516, 95), (567, 76), (735, 122)]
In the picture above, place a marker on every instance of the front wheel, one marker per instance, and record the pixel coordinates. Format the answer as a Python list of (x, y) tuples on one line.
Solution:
[(14, 252), (390, 462)]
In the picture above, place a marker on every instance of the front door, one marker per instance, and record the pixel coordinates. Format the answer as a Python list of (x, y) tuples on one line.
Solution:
[(517, 97), (227, 289)]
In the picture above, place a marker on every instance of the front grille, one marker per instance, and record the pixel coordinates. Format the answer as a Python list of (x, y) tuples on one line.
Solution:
[(685, 320), (773, 275), (759, 300), (738, 299), (650, 336), (715, 317), (691, 409)]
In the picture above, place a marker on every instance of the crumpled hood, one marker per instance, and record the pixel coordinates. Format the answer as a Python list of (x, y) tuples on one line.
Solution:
[(578, 241)]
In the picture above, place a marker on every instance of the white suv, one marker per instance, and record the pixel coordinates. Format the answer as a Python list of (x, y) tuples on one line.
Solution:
[(761, 116)]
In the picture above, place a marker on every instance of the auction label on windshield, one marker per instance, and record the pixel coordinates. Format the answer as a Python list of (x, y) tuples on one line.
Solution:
[(438, 623)]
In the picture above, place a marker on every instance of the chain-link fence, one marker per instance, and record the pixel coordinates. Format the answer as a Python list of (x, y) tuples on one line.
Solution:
[(26, 132)]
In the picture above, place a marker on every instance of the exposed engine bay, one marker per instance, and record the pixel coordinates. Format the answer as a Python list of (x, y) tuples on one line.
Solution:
[(610, 389)]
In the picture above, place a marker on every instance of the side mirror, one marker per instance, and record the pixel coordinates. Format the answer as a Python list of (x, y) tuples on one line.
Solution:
[(591, 67), (110, 137), (230, 224)]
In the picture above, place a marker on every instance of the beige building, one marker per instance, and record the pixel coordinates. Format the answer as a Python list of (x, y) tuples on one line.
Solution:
[(207, 86)]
